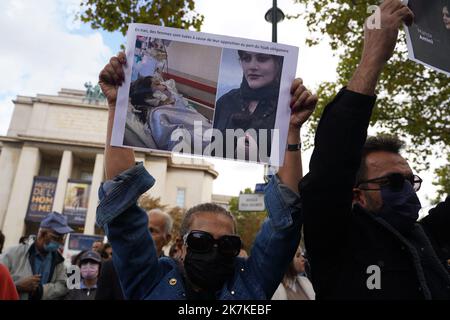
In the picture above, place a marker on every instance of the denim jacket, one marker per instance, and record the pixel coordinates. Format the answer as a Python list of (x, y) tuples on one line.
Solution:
[(145, 276)]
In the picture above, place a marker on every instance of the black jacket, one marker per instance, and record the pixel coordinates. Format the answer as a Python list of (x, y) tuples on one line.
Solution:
[(108, 285), (343, 242), (81, 294)]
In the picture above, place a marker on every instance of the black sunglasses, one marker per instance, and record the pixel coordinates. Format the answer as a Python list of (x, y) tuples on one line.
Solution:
[(394, 181), (203, 242)]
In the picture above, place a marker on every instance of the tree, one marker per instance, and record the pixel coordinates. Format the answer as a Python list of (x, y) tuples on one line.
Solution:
[(148, 202), (443, 181), (248, 223), (114, 15), (413, 101), (177, 215)]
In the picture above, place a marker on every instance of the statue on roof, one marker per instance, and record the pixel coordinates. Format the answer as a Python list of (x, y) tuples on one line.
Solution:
[(93, 93)]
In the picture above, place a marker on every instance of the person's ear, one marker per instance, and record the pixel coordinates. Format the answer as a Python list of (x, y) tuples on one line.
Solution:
[(359, 197)]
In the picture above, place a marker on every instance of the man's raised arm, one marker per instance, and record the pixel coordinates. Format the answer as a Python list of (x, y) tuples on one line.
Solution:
[(326, 191)]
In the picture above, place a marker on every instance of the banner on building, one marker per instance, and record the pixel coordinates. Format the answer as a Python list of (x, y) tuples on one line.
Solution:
[(41, 199), (76, 201)]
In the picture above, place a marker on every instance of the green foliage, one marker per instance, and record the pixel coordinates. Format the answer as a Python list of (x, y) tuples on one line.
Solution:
[(177, 215), (443, 181), (248, 223), (413, 101), (148, 203), (114, 15)]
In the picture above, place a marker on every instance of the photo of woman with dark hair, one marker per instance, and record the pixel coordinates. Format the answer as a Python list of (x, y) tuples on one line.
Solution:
[(446, 27), (254, 104), (446, 15)]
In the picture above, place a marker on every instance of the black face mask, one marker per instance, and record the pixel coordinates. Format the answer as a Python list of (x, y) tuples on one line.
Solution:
[(400, 207), (208, 271)]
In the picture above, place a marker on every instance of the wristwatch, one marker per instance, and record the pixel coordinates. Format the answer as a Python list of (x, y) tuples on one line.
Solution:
[(294, 147)]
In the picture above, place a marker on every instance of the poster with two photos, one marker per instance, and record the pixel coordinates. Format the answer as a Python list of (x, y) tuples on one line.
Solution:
[(202, 94)]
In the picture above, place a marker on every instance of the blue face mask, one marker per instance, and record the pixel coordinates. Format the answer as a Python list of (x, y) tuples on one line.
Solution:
[(52, 246), (400, 207)]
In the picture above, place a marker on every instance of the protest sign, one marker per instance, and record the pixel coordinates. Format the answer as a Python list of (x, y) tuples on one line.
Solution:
[(203, 94), (428, 38)]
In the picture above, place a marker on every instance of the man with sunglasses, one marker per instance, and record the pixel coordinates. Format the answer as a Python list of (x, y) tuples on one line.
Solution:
[(38, 269), (359, 197), (208, 267)]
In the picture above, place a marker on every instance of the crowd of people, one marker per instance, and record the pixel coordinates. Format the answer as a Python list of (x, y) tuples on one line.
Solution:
[(34, 270), (357, 206)]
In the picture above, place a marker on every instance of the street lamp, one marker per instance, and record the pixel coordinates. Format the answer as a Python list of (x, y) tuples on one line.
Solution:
[(269, 171), (274, 18)]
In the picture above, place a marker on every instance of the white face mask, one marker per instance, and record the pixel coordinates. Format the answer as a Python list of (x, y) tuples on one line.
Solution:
[(89, 270)]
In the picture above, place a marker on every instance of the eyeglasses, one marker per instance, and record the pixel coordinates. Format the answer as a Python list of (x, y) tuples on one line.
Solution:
[(394, 181), (203, 242)]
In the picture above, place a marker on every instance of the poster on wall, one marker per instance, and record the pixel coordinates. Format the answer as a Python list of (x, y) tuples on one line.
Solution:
[(76, 201), (41, 199), (196, 93)]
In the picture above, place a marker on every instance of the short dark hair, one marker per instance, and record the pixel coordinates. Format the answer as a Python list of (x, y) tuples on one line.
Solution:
[(204, 207), (382, 142)]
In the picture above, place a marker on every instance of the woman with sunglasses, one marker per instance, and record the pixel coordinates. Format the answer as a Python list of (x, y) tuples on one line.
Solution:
[(209, 266)]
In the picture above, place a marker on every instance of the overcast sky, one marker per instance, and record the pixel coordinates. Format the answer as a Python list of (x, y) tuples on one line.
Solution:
[(44, 50)]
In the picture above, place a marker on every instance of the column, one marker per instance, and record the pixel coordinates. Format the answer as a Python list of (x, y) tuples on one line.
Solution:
[(27, 169), (65, 170), (157, 167), (97, 178), (9, 158)]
